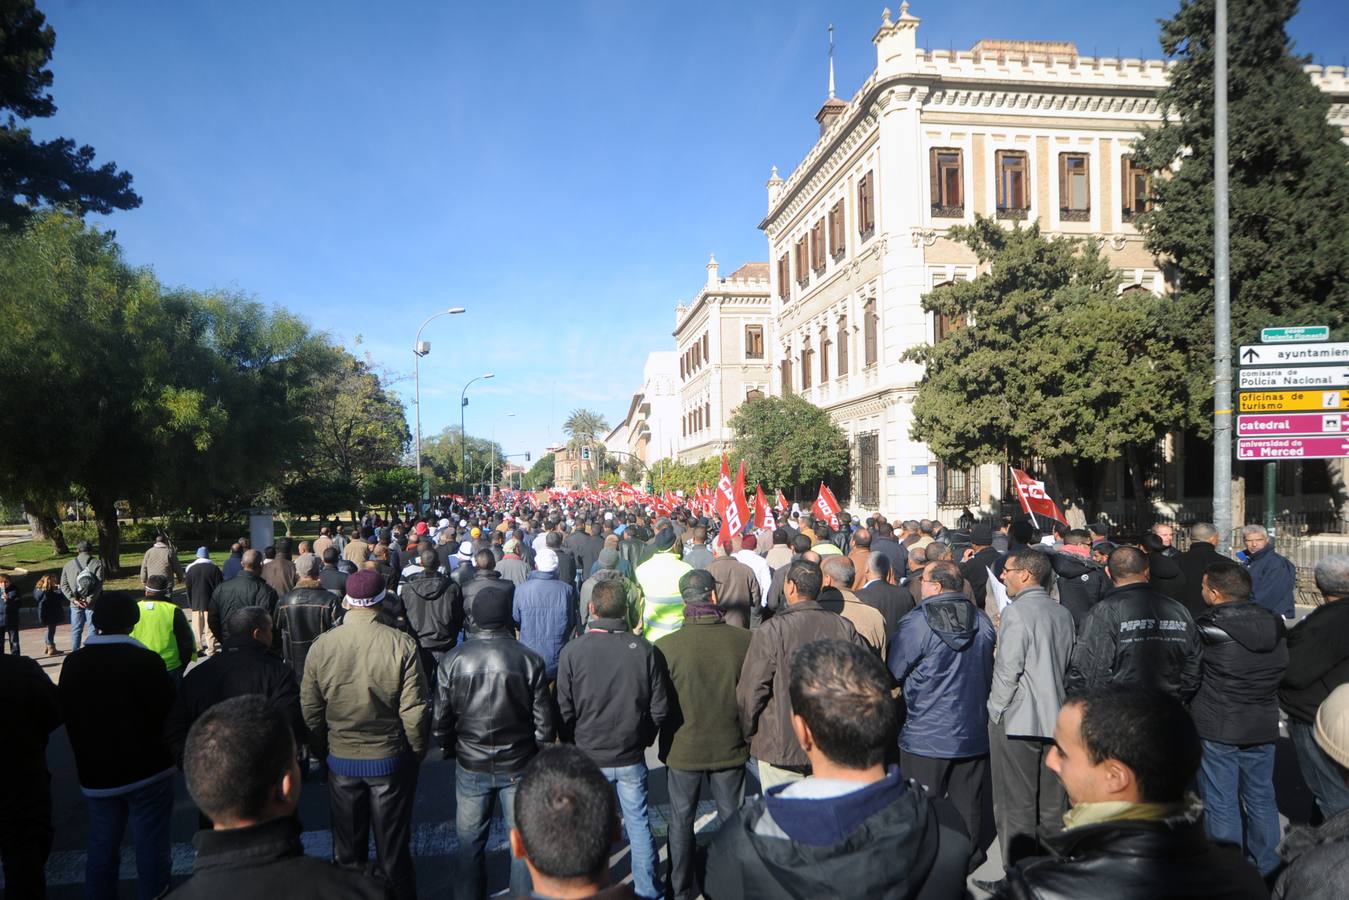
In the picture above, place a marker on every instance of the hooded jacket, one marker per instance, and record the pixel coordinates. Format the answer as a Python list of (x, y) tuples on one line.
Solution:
[(1082, 583), (942, 656), (1137, 636), (1166, 577), (887, 840), (434, 607), (1245, 656), (544, 610)]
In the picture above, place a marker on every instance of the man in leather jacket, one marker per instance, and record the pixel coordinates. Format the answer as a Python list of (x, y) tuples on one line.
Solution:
[(303, 614), (493, 713), (1125, 755), (434, 610)]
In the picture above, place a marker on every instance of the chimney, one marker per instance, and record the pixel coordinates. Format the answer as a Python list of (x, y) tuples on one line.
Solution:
[(774, 186), (712, 270), (829, 113), (897, 43)]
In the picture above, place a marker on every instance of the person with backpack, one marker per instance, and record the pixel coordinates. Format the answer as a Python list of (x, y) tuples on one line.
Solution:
[(81, 584)]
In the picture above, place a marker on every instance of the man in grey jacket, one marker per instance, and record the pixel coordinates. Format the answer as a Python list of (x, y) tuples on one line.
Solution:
[(1034, 646), (81, 599)]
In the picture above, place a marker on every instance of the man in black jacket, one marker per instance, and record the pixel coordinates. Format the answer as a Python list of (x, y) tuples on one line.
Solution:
[(31, 713), (434, 607), (982, 557), (331, 578), (305, 613), (856, 828), (1135, 636), (486, 581), (245, 589), (493, 713), (611, 696), (1082, 581), (1318, 662), (241, 771), (116, 696), (1126, 756), (890, 600), (1195, 561), (244, 666), (1236, 713)]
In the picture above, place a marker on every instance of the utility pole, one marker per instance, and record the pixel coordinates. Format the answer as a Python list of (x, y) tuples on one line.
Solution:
[(1222, 301)]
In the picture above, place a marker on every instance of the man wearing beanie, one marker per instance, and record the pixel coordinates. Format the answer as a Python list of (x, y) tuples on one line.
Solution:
[(608, 563), (1318, 858), (116, 696), (701, 732), (202, 577), (163, 628), (493, 713), (545, 609), (365, 707)]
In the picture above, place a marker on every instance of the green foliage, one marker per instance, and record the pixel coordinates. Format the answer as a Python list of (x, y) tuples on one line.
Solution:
[(357, 428), (1057, 363), (54, 172), (587, 428), (390, 488), (671, 475), (541, 474), (788, 443), (318, 495), (1289, 186), (441, 453)]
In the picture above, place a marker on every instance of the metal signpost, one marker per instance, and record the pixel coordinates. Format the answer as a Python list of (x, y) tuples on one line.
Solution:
[(1294, 393)]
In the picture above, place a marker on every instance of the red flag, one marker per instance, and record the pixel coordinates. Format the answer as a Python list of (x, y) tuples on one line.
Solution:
[(827, 508), (724, 486), (763, 513), (782, 501), (1034, 498), (731, 505)]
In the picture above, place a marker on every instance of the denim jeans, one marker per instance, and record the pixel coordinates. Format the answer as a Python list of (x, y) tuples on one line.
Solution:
[(1320, 774), (148, 808), (631, 784), (474, 796), (1233, 780), (685, 787), (81, 626)]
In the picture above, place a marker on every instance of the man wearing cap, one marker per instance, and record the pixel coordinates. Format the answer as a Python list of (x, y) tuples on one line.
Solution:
[(978, 562), (364, 702), (658, 577), (163, 628), (544, 610), (116, 695), (701, 732), (493, 714), (608, 563), (1318, 858), (202, 577), (81, 599), (512, 566), (462, 569)]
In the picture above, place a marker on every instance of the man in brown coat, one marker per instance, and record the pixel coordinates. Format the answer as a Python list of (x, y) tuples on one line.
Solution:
[(738, 589)]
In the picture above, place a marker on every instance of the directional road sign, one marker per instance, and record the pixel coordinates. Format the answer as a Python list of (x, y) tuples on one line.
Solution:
[(1286, 401), (1295, 377), (1293, 447), (1292, 423), (1295, 333), (1293, 354)]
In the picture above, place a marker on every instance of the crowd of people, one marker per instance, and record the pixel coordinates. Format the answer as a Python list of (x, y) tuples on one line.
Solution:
[(845, 693)]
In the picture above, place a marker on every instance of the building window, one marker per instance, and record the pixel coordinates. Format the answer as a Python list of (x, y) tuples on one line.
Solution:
[(842, 346), (708, 420), (947, 182), (870, 325), (807, 357), (684, 424), (817, 247), (1136, 189), (753, 394), (1013, 184), (945, 325), (802, 261), (706, 355), (869, 470), (753, 342), (786, 377), (1074, 187), (824, 355), (682, 370), (957, 487), (784, 276), (837, 236), (866, 205)]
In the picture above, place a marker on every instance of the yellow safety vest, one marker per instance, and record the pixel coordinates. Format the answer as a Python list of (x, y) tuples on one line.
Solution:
[(155, 630)]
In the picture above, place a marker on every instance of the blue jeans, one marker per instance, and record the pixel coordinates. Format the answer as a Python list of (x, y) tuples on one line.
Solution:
[(1320, 774), (474, 794), (148, 809), (1233, 780), (81, 626), (631, 784)]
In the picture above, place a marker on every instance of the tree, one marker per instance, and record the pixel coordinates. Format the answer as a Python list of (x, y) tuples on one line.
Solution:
[(541, 474), (54, 172), (443, 452), (585, 430), (358, 427), (788, 443), (387, 489), (1289, 189), (1057, 363)]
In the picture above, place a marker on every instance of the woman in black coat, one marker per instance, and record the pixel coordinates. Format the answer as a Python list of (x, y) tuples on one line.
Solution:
[(51, 610)]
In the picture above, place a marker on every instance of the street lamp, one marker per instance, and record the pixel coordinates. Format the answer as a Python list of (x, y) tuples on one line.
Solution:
[(463, 436), (419, 349)]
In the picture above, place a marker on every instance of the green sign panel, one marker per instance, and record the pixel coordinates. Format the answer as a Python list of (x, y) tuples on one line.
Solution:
[(1294, 333)]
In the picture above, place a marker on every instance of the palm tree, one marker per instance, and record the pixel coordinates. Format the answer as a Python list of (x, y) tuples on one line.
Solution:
[(585, 428)]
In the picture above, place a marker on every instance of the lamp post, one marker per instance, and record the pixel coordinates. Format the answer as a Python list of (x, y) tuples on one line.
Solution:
[(420, 349), (463, 436)]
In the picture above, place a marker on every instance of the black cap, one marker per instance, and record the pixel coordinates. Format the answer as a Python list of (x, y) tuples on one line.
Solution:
[(665, 540), (696, 586), (981, 535), (115, 612), (156, 584), (492, 609)]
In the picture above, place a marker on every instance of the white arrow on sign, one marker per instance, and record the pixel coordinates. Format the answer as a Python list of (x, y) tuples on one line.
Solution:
[(1295, 377), (1293, 354)]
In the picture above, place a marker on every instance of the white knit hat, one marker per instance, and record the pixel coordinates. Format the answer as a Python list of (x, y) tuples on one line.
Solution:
[(1332, 725)]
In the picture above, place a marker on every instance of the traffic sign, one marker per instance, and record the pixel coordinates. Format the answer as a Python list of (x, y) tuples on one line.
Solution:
[(1293, 423), (1293, 447), (1293, 354), (1295, 333), (1287, 401), (1295, 377)]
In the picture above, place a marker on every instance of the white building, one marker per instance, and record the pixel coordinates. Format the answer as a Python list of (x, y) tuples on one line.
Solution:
[(1022, 131), (722, 338), (650, 431)]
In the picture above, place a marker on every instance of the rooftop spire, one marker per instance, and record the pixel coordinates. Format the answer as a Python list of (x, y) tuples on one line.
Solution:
[(831, 61)]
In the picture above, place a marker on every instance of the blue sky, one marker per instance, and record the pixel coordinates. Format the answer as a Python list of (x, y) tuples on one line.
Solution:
[(561, 169)]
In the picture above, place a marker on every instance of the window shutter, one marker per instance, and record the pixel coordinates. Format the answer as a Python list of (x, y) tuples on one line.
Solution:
[(935, 179), (1063, 181)]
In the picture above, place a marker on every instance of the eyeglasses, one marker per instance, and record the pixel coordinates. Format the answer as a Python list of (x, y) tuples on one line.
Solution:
[(1009, 570)]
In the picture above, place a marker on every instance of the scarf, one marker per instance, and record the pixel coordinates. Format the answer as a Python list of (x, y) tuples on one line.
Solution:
[(699, 610), (1118, 811)]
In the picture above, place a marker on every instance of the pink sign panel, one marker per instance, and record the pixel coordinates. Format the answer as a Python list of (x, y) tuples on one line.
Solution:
[(1292, 423), (1293, 447)]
